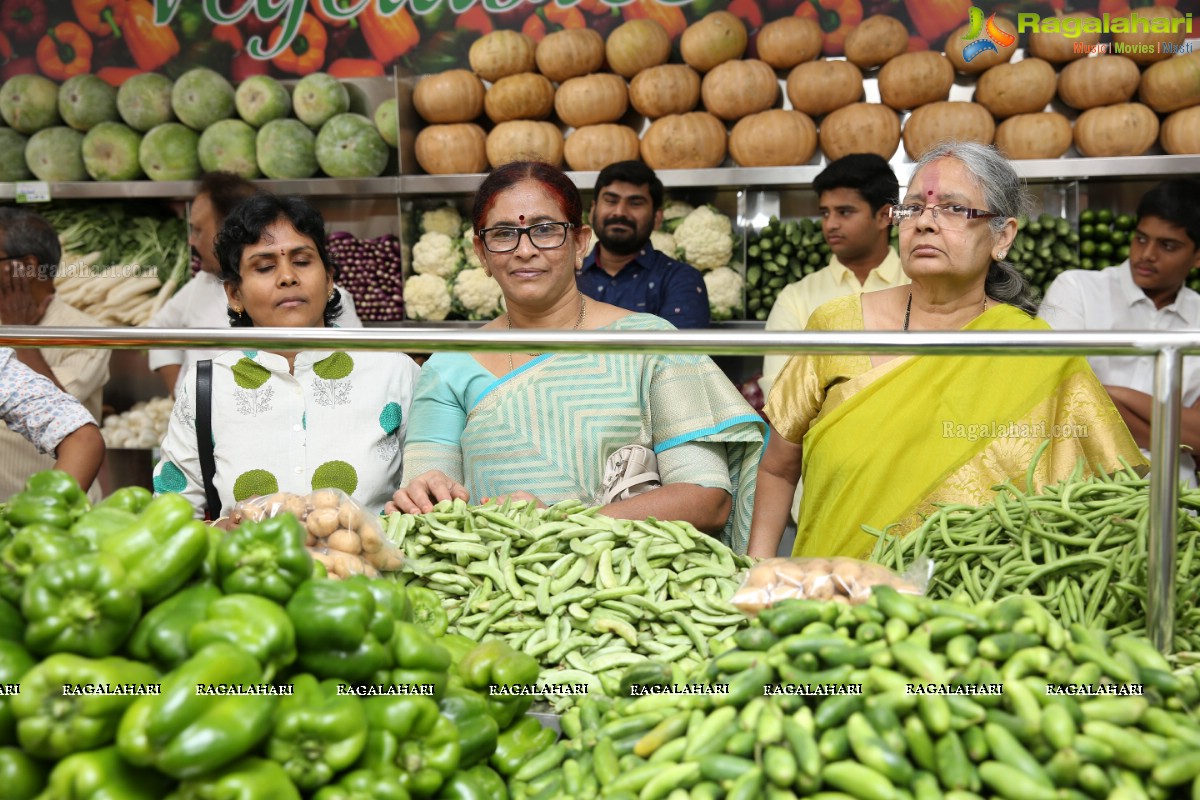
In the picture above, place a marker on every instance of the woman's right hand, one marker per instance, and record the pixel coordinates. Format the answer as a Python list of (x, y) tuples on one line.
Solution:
[(424, 491)]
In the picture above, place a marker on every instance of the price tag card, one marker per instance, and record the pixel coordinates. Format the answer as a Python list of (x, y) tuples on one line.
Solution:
[(33, 192)]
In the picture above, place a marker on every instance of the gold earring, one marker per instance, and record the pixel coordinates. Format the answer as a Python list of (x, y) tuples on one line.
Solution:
[(236, 309), (332, 292)]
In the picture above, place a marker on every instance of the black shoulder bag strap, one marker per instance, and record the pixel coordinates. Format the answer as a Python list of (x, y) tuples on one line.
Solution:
[(204, 437)]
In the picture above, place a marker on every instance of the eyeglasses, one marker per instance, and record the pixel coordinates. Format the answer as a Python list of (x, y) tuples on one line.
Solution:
[(544, 236), (948, 215)]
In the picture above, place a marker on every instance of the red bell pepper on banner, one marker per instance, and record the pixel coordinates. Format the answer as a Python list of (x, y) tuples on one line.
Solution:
[(246, 65), (64, 52), (551, 18), (306, 53), (231, 35), (670, 17), (355, 68), (115, 76), (18, 66), (836, 18), (99, 17), (316, 6), (935, 18), (748, 12), (916, 45), (475, 18), (388, 37), (23, 20), (5, 47), (150, 45)]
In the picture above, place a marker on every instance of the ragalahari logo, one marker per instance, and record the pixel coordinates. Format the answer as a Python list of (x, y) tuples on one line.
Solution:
[(983, 38)]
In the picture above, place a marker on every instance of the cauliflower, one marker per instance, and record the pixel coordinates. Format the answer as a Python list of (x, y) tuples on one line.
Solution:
[(705, 239), (724, 293), (427, 297), (663, 242), (478, 294), (445, 220), (673, 213), (468, 250), (435, 254)]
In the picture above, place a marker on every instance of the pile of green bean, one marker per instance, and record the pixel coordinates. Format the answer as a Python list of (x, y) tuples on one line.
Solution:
[(585, 594), (1078, 546)]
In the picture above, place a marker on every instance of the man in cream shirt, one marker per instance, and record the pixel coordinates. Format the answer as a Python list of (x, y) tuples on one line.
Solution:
[(1146, 292), (855, 195)]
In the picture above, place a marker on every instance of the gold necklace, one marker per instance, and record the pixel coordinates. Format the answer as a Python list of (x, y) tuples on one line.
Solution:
[(578, 325), (908, 308)]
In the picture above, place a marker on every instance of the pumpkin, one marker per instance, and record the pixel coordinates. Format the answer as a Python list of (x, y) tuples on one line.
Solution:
[(716, 38), (525, 140), (1179, 132), (1045, 134), (665, 89), (502, 53), (592, 99), (1172, 84), (914, 79), (875, 41), (986, 59), (455, 95), (1021, 88), (1163, 40), (570, 53), (684, 141), (452, 149), (737, 88), (818, 87), (789, 41), (1058, 48), (860, 128), (1123, 129), (524, 96), (1099, 81), (594, 147), (958, 121), (637, 45), (774, 138)]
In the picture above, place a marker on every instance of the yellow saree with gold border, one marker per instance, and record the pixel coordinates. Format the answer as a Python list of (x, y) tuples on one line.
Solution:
[(882, 445)]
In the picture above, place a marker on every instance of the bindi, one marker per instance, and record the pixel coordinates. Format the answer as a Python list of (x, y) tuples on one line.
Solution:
[(521, 218)]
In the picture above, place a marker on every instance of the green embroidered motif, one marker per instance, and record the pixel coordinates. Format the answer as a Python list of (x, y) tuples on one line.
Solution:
[(333, 367), (249, 374), (169, 479), (390, 418), (335, 475), (254, 483)]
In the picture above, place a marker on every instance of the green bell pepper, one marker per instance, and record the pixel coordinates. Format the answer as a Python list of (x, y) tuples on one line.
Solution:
[(255, 624), (248, 779), (408, 733), (21, 776), (162, 635), (102, 775), (81, 605), (133, 499), (57, 713), (25, 509), (520, 743), (60, 485), (100, 523), (267, 558), (341, 631), (427, 610), (495, 663), (27, 550), (15, 662), (476, 728), (418, 660), (364, 784), (478, 783), (318, 732), (459, 646), (187, 731), (163, 550), (12, 624)]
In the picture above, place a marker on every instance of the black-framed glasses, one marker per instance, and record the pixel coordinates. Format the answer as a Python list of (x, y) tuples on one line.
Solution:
[(544, 236), (948, 215)]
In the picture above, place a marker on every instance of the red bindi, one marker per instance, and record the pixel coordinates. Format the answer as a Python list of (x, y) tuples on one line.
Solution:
[(521, 218), (929, 192)]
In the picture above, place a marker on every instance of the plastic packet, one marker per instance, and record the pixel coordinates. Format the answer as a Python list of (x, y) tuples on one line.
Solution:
[(842, 580), (342, 535)]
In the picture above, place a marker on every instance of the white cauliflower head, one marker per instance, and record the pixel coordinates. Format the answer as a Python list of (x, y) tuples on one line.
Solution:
[(663, 242), (426, 297), (445, 220), (705, 239), (468, 250), (478, 294), (676, 208), (724, 287), (435, 254)]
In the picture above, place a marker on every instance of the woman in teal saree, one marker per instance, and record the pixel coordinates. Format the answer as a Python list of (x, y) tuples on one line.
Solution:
[(542, 426)]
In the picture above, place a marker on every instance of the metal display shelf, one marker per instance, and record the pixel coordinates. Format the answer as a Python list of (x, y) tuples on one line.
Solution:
[(185, 190)]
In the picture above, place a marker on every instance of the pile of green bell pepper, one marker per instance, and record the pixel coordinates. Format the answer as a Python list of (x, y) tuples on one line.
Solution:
[(342, 632), (162, 550), (50, 498), (317, 732), (15, 662), (495, 663), (252, 623), (101, 775), (28, 549), (162, 635), (410, 735), (266, 558), (418, 660), (22, 777), (82, 605)]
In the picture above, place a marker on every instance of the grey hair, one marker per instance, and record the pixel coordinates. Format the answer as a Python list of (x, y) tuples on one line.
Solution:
[(24, 233), (1004, 192)]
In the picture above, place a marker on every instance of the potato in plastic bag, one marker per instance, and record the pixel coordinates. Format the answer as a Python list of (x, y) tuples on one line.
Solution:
[(842, 580)]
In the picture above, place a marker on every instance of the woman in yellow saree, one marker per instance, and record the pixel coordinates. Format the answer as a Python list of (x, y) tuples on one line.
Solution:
[(879, 440)]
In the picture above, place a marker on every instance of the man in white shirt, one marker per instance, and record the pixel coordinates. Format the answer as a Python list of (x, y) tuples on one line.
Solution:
[(201, 303), (1146, 292)]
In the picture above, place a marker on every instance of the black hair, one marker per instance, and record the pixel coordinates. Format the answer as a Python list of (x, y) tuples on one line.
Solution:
[(245, 225), (225, 190), (503, 178), (634, 172), (25, 233), (1174, 201), (867, 173)]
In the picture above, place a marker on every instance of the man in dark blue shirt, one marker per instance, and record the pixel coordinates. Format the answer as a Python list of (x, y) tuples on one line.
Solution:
[(624, 269)]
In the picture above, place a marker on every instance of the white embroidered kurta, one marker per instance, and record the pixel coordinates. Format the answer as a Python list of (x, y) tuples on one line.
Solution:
[(338, 422)]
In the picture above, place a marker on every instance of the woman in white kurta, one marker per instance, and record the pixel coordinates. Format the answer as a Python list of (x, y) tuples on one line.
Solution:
[(286, 421)]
